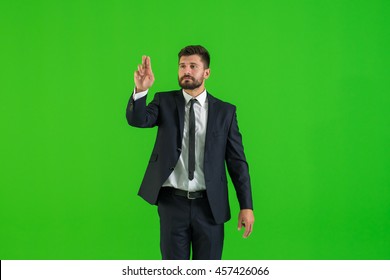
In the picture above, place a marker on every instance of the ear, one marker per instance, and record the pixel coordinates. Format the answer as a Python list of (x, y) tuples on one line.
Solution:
[(206, 74)]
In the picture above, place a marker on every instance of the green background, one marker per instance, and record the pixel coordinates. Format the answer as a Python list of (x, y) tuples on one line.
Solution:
[(311, 83)]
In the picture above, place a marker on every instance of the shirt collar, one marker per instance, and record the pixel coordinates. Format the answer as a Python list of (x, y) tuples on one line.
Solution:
[(201, 97)]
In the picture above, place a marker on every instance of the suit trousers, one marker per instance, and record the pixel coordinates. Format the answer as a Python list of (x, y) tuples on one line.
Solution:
[(188, 225)]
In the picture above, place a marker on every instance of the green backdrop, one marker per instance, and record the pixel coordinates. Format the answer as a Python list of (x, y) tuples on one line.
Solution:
[(311, 83)]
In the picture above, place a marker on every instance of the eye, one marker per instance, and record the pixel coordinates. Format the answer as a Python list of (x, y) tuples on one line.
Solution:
[(193, 66)]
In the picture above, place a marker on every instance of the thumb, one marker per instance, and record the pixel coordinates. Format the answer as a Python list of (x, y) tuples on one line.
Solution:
[(240, 223)]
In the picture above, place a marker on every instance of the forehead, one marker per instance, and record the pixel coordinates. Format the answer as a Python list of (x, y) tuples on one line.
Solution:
[(191, 59)]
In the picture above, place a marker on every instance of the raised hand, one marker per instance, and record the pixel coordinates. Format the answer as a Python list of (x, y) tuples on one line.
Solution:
[(143, 77)]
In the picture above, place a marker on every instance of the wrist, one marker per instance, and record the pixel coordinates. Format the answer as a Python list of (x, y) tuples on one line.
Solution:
[(137, 90)]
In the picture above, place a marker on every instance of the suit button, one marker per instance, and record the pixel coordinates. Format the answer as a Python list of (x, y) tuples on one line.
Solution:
[(179, 149), (172, 168)]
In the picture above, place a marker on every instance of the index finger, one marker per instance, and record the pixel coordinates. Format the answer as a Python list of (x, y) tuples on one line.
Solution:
[(143, 61), (148, 64)]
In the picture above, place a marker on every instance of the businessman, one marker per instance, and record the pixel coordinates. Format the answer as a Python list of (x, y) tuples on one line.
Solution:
[(186, 176)]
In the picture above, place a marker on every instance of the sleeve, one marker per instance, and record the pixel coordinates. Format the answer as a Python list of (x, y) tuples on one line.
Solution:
[(237, 165), (139, 95), (138, 114)]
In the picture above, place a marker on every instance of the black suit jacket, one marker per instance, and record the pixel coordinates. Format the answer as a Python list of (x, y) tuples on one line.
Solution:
[(223, 145)]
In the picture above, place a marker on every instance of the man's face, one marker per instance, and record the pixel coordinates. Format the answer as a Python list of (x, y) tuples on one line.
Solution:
[(191, 72)]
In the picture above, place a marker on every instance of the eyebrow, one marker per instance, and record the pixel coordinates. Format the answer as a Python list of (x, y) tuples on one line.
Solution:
[(191, 63)]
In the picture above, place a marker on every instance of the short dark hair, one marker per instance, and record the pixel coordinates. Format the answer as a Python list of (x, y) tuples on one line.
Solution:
[(199, 50)]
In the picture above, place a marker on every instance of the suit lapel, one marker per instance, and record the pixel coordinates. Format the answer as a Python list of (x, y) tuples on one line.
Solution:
[(210, 120), (180, 105)]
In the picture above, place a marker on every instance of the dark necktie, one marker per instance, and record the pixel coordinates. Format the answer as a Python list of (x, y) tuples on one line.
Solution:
[(191, 141)]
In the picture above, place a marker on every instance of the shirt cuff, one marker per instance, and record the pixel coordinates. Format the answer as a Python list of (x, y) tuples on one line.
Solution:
[(139, 95)]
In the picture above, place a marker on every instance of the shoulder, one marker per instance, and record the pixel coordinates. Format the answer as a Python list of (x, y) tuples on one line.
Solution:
[(163, 97), (167, 94), (220, 103)]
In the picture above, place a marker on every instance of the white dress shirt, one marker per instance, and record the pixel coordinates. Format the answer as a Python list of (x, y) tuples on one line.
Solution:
[(179, 176)]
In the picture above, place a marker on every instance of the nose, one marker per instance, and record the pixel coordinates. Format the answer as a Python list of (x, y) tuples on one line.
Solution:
[(187, 71)]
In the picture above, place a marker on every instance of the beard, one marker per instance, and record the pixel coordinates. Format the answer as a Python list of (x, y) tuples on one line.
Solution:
[(190, 83)]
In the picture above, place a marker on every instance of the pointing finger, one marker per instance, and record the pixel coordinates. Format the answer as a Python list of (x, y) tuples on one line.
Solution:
[(148, 63), (143, 59)]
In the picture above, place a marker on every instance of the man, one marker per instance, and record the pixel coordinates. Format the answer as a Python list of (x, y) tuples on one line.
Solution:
[(186, 177)]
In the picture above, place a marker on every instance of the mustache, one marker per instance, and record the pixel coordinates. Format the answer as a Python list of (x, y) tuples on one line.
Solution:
[(186, 77)]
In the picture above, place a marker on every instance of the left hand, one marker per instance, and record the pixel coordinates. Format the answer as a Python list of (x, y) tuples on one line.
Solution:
[(246, 219)]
